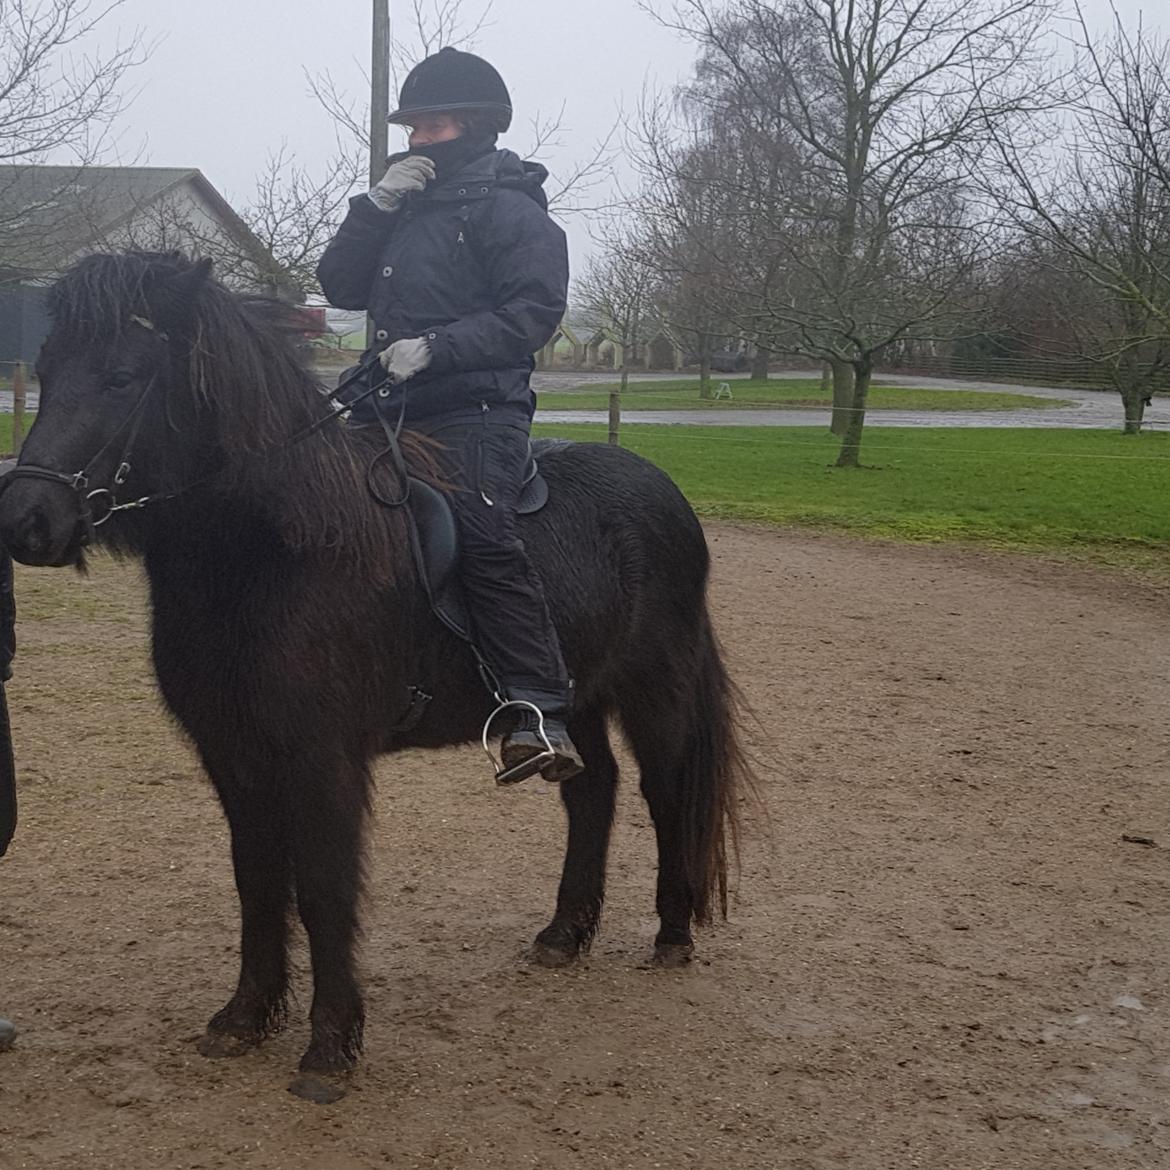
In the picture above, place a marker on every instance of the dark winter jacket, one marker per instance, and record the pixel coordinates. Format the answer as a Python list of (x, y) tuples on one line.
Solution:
[(475, 265)]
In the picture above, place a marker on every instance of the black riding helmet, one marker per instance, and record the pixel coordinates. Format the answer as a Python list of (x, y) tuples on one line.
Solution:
[(451, 80)]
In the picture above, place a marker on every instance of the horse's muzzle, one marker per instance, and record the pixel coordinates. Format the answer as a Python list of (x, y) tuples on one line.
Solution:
[(40, 522)]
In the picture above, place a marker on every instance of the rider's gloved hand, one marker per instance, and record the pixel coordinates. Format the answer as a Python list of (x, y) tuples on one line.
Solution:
[(412, 173), (403, 359)]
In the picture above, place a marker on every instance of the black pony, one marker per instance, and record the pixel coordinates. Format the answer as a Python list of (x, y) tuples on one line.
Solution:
[(289, 626)]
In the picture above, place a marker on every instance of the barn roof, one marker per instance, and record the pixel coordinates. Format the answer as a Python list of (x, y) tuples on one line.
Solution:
[(50, 213)]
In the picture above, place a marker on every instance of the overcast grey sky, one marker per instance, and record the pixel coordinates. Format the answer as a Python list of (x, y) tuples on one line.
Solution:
[(225, 84)]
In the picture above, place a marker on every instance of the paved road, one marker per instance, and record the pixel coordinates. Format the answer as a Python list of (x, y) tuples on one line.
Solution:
[(1087, 408)]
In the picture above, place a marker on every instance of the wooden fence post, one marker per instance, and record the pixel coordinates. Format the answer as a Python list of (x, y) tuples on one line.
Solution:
[(18, 393)]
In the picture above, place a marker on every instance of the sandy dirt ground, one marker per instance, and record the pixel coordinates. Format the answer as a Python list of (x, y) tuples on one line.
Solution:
[(949, 945)]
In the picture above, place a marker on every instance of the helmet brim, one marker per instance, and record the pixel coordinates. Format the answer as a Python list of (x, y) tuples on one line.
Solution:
[(405, 115)]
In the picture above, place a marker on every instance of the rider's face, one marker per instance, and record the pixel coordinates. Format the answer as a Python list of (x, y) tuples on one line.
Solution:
[(431, 128)]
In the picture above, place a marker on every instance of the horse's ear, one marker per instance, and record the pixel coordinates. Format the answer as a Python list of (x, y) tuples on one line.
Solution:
[(188, 283), (172, 300)]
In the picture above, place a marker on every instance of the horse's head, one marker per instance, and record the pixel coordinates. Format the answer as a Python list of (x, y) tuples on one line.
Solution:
[(120, 324)]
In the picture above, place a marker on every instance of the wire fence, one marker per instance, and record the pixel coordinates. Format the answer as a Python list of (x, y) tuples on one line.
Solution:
[(14, 378), (1057, 372)]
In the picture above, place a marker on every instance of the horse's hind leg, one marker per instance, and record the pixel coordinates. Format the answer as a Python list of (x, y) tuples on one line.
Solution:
[(263, 881), (673, 945), (589, 802), (660, 761)]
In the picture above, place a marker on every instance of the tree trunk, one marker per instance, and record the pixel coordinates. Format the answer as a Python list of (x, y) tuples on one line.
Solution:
[(844, 392), (1134, 399), (705, 372), (826, 378), (760, 364), (851, 443), (615, 407)]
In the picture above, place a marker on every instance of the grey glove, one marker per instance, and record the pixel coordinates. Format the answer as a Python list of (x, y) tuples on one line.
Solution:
[(403, 359), (412, 173)]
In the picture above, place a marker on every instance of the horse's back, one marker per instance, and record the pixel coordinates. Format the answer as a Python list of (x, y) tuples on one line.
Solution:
[(622, 557), (595, 481)]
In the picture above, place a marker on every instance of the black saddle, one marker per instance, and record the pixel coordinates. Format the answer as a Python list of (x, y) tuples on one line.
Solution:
[(435, 539)]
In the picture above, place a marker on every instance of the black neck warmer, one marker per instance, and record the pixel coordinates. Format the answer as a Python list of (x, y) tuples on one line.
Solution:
[(452, 156)]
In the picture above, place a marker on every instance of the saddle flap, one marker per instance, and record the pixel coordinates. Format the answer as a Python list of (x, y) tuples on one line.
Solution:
[(437, 538)]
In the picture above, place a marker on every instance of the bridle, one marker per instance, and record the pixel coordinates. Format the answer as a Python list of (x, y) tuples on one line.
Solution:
[(97, 505), (102, 500)]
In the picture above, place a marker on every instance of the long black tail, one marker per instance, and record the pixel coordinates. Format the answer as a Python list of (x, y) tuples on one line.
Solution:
[(715, 780)]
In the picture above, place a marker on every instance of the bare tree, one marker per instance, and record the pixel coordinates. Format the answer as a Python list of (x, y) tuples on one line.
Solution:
[(55, 101), (616, 293), (1095, 215), (694, 237), (294, 213), (888, 106)]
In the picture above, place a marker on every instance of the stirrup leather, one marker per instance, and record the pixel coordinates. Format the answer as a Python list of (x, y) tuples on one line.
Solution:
[(534, 763)]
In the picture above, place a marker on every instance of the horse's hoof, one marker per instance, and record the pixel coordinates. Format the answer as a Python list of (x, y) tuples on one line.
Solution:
[(673, 954), (319, 1088), (7, 1035), (218, 1045), (549, 955)]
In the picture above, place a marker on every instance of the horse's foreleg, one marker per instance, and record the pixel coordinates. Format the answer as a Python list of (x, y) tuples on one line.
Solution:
[(263, 880), (328, 829), (589, 802)]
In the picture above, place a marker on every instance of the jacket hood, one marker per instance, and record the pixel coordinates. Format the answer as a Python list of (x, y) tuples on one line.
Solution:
[(498, 168)]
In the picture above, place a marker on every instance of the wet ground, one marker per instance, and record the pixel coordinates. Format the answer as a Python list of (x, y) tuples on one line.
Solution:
[(948, 948)]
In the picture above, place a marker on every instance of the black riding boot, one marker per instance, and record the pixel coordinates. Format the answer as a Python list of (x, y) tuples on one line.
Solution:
[(539, 741)]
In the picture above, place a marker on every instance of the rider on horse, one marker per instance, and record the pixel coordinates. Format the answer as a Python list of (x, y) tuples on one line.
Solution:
[(465, 276)]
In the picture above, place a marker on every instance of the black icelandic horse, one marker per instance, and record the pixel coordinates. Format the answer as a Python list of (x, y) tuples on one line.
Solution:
[(289, 624)]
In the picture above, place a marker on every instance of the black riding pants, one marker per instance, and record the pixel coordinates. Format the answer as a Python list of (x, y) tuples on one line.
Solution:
[(485, 460)]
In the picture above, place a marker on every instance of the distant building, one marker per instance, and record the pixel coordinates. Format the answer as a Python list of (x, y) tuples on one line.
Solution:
[(52, 216)]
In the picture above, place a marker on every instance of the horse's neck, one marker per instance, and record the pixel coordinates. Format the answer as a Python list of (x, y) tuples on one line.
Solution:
[(293, 516), (229, 595)]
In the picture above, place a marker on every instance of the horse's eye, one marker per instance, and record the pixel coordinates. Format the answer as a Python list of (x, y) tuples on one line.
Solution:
[(119, 380)]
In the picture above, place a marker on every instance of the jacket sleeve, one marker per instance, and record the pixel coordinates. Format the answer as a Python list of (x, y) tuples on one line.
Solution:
[(528, 271), (347, 267)]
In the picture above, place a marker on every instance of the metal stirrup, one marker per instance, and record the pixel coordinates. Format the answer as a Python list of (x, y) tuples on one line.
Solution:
[(530, 766)]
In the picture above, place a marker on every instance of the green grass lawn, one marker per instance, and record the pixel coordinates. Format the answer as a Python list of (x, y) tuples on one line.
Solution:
[(6, 430), (1099, 494), (782, 394)]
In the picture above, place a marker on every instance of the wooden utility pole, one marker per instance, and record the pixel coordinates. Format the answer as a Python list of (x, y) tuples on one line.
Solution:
[(379, 108), (379, 90)]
